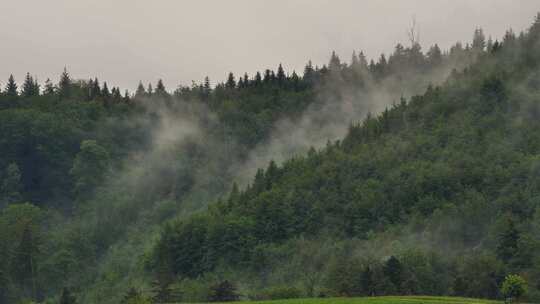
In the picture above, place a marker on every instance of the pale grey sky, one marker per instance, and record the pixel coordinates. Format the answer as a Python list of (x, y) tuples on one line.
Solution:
[(124, 41)]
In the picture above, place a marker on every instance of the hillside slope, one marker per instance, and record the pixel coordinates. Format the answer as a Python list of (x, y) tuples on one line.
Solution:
[(437, 195)]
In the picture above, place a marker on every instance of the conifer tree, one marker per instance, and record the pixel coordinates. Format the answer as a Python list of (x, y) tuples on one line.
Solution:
[(231, 82), (479, 40), (105, 93), (160, 89), (28, 89), (126, 97), (258, 79), (64, 86), (11, 87), (281, 77), (95, 90), (150, 90), (140, 92), (246, 80), (49, 87), (335, 63)]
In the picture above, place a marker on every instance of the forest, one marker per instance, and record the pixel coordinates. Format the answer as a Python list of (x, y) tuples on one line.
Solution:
[(416, 173)]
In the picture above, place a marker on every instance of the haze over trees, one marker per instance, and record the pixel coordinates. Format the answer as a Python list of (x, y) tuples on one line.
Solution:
[(428, 183)]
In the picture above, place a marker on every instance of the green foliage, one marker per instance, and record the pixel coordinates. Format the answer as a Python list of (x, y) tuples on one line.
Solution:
[(67, 297), (223, 291), (89, 167), (513, 288)]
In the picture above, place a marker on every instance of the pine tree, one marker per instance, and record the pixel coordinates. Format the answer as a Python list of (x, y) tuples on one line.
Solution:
[(140, 92), (105, 93), (49, 87), (479, 40), (223, 292), (258, 79), (246, 80), (281, 77), (64, 86), (95, 91), (354, 60), (231, 82), (11, 87), (393, 270), (508, 239), (335, 63), (160, 89), (126, 97), (11, 186), (150, 90), (309, 72), (28, 89), (24, 264)]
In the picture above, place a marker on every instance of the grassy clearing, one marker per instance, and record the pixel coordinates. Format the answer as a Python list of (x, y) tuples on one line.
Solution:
[(379, 300)]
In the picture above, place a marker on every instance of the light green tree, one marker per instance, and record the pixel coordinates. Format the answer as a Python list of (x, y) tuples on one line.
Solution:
[(513, 288)]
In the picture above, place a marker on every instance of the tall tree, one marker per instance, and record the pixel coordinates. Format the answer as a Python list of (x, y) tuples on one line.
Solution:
[(64, 86), (281, 77), (11, 87), (29, 87), (231, 82), (11, 186), (49, 87), (160, 89), (479, 40), (140, 92)]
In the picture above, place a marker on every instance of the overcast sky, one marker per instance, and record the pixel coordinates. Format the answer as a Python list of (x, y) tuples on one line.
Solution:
[(124, 41)]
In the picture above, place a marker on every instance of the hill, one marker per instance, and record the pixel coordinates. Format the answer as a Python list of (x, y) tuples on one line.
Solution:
[(104, 194), (437, 195)]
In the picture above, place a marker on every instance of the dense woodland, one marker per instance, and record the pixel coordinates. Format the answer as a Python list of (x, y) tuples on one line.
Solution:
[(111, 197)]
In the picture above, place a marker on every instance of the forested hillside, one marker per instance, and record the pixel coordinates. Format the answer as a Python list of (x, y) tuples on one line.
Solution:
[(107, 196), (436, 195)]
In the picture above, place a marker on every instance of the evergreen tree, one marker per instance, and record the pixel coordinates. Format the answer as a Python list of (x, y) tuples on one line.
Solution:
[(231, 82), (29, 88), (25, 259), (309, 73), (160, 89), (105, 94), (140, 92), (11, 186), (258, 79), (479, 40), (64, 86), (367, 282), (223, 292), (11, 87), (335, 63), (393, 270), (508, 239), (49, 87), (95, 91), (434, 56), (67, 297), (150, 90), (281, 77), (126, 97)]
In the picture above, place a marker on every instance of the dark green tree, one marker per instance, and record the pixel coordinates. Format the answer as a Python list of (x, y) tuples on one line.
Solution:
[(231, 82), (64, 86), (67, 297), (393, 270), (11, 87), (223, 291)]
